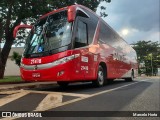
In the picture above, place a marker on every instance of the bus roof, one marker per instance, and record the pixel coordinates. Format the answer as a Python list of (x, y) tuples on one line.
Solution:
[(65, 8)]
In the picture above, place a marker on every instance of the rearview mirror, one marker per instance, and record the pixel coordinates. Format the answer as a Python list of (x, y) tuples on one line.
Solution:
[(71, 13), (20, 27)]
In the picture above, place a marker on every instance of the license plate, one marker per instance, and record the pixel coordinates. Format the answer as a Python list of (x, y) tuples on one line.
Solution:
[(36, 75)]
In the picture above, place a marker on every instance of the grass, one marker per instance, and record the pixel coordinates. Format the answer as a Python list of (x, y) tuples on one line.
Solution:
[(11, 79)]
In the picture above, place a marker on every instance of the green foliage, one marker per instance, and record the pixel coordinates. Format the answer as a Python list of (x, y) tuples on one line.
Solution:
[(148, 52), (9, 79), (17, 58)]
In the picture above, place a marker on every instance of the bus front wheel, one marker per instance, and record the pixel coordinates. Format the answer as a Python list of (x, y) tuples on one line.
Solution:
[(100, 78)]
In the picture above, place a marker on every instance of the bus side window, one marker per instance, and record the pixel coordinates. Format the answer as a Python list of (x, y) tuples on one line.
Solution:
[(81, 35)]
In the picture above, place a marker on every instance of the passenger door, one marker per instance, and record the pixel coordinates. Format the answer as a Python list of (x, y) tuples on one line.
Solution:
[(81, 46)]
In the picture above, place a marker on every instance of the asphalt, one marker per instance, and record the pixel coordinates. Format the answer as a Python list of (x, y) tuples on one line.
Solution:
[(44, 85), (127, 97), (143, 94)]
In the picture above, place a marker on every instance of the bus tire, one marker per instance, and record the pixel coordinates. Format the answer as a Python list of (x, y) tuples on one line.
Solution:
[(130, 79), (100, 77), (62, 84)]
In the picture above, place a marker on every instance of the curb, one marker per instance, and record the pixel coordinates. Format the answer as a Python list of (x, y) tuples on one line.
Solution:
[(7, 83), (18, 86)]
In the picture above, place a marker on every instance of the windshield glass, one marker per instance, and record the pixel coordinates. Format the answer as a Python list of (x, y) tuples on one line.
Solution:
[(49, 33)]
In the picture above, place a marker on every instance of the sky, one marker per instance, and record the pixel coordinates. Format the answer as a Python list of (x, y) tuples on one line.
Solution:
[(134, 20)]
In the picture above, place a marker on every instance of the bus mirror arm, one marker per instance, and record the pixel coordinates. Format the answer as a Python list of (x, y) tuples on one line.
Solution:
[(20, 27)]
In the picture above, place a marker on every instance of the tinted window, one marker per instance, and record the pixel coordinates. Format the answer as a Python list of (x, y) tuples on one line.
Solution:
[(92, 24), (106, 34), (81, 35), (91, 20)]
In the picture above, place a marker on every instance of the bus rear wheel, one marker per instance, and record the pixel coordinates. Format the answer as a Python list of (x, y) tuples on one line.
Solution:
[(62, 84), (130, 78), (100, 77)]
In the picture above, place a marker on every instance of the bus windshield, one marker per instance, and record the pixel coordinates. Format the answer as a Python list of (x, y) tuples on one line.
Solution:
[(49, 33)]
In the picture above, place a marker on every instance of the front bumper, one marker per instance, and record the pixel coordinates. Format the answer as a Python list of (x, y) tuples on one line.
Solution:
[(62, 72)]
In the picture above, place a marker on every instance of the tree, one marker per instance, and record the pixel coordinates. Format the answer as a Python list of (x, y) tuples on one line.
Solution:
[(14, 12), (148, 54)]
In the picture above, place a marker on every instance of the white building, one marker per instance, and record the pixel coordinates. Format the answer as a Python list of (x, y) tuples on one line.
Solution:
[(11, 68)]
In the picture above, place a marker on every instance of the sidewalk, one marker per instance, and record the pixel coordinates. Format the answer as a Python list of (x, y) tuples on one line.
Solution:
[(17, 86), (148, 77)]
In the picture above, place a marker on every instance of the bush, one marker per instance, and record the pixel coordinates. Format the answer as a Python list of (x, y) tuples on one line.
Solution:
[(17, 58)]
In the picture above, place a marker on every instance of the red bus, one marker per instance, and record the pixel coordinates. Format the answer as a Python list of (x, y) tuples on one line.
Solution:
[(73, 44)]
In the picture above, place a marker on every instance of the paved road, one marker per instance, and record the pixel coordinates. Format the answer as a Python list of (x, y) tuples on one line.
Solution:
[(141, 95)]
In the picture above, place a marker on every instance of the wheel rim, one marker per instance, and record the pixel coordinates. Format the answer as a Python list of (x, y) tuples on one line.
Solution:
[(100, 77)]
